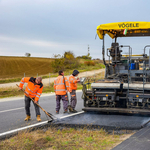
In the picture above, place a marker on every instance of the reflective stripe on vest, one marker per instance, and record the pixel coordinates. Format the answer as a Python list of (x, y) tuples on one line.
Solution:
[(31, 90), (71, 80), (22, 82), (30, 94), (39, 93), (23, 79)]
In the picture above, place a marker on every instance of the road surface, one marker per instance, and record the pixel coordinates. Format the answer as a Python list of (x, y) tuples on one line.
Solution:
[(12, 112)]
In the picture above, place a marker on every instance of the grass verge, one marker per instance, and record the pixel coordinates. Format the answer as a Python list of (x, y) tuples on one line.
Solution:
[(65, 139)]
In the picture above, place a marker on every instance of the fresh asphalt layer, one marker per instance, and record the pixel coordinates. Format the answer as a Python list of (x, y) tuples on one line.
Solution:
[(138, 141)]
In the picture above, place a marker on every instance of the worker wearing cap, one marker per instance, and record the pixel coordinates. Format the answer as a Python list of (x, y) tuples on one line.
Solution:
[(72, 89), (61, 87), (34, 90)]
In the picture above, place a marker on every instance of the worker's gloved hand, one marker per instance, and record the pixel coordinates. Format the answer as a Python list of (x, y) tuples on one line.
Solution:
[(36, 102), (20, 88), (78, 80)]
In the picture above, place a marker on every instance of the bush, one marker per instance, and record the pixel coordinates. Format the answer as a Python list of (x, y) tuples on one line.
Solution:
[(89, 63), (67, 61), (102, 65), (70, 62), (85, 57), (58, 64)]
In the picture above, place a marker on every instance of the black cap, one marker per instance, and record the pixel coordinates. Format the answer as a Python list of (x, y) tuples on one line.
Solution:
[(60, 72), (75, 72)]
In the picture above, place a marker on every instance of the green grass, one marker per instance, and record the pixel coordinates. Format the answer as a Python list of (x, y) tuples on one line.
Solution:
[(64, 139)]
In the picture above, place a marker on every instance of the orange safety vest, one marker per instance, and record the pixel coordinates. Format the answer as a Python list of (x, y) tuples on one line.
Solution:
[(59, 85), (34, 91), (72, 83)]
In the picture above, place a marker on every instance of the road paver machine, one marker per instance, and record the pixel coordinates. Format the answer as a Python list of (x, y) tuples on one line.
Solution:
[(126, 86)]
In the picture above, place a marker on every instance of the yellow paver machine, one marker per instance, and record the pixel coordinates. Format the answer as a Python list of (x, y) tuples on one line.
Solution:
[(126, 86)]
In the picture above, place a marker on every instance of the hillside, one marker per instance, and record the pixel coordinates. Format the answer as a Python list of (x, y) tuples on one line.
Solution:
[(14, 67)]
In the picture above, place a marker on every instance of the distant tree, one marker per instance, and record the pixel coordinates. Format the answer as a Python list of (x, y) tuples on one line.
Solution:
[(85, 57), (70, 60), (58, 63), (69, 55), (27, 54), (57, 55)]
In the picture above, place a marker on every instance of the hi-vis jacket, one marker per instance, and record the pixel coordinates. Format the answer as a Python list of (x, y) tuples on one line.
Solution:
[(34, 91), (72, 83), (59, 85)]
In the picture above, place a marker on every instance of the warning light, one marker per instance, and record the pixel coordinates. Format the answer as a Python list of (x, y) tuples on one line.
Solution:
[(106, 95), (137, 95)]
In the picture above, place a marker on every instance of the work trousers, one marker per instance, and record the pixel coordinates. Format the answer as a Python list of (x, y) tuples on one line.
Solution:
[(27, 106), (64, 99), (73, 100)]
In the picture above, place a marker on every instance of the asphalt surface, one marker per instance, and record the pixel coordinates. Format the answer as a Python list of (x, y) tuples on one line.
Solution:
[(12, 116), (109, 122), (12, 112), (138, 141)]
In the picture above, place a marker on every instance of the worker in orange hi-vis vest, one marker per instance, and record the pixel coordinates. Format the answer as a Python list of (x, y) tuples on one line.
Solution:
[(61, 87), (34, 90), (72, 89)]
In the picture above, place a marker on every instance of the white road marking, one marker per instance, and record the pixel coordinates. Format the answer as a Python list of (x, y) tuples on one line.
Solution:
[(72, 114), (23, 128), (11, 109), (34, 125)]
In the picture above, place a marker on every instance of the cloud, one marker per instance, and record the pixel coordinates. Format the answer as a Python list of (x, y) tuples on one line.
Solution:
[(28, 42)]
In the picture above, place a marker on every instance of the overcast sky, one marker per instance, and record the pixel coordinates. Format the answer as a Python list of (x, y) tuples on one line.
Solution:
[(47, 27)]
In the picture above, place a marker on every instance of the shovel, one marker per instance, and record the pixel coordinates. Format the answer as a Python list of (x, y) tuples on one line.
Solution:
[(47, 113), (69, 106)]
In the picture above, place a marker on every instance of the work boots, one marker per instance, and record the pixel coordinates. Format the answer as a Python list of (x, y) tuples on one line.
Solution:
[(70, 108), (57, 112), (38, 118), (27, 118), (73, 111), (66, 111)]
